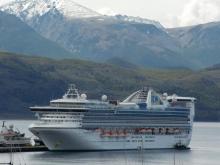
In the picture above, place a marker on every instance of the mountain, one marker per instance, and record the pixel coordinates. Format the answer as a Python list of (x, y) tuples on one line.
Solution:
[(29, 9), (26, 9), (91, 36), (141, 42), (214, 67), (139, 20), (27, 81), (122, 63), (18, 37), (199, 43)]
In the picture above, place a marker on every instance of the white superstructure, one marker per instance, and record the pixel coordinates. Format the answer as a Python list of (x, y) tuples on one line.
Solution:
[(145, 120)]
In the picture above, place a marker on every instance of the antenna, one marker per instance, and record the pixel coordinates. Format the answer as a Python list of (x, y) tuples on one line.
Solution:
[(3, 124), (145, 89), (72, 92), (72, 86)]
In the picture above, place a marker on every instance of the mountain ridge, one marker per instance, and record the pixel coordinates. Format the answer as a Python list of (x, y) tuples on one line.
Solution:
[(34, 8), (102, 38), (99, 38), (200, 43), (68, 8)]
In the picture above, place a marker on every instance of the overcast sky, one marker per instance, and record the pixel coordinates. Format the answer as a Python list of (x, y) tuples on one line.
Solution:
[(170, 13)]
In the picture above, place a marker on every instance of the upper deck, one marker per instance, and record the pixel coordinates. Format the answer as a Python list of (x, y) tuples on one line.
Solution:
[(144, 99)]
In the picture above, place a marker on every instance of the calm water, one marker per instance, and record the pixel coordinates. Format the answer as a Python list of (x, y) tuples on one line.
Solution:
[(205, 150)]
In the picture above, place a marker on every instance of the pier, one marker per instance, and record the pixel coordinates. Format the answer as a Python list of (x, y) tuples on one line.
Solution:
[(23, 149)]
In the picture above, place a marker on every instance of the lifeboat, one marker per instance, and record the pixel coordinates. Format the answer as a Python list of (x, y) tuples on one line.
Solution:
[(162, 131), (119, 133), (148, 130), (104, 133), (145, 130), (176, 131), (142, 130), (116, 133), (98, 130), (107, 133), (154, 130), (124, 132)]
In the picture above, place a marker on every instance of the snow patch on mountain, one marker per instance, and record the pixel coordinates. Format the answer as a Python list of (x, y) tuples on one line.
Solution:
[(139, 20), (27, 9)]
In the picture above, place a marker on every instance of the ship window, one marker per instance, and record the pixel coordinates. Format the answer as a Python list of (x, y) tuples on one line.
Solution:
[(156, 100)]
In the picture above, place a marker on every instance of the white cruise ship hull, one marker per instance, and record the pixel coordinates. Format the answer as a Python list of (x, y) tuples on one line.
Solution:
[(73, 139)]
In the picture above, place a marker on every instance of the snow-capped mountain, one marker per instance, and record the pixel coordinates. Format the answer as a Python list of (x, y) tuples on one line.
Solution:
[(139, 20), (28, 9), (93, 36)]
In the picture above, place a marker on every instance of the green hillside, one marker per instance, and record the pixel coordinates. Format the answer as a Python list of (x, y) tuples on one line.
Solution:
[(27, 81)]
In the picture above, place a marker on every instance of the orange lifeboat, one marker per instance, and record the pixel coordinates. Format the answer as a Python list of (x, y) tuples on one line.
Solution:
[(141, 130), (145, 130), (98, 130), (124, 132), (107, 133), (176, 131), (148, 130)]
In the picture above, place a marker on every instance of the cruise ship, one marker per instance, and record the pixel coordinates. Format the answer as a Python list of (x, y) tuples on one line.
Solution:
[(144, 120)]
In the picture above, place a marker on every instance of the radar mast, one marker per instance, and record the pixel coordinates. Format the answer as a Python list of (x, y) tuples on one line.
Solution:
[(72, 92)]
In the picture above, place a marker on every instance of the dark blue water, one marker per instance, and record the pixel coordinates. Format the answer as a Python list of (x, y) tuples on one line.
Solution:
[(205, 150)]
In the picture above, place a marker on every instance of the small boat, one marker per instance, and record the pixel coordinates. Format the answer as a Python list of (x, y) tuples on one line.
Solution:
[(180, 146), (11, 138)]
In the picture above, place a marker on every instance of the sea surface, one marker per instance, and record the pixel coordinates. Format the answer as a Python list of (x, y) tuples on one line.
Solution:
[(205, 150)]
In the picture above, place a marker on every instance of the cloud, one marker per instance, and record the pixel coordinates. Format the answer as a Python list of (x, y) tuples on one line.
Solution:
[(195, 12), (3, 2), (200, 11), (107, 11)]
